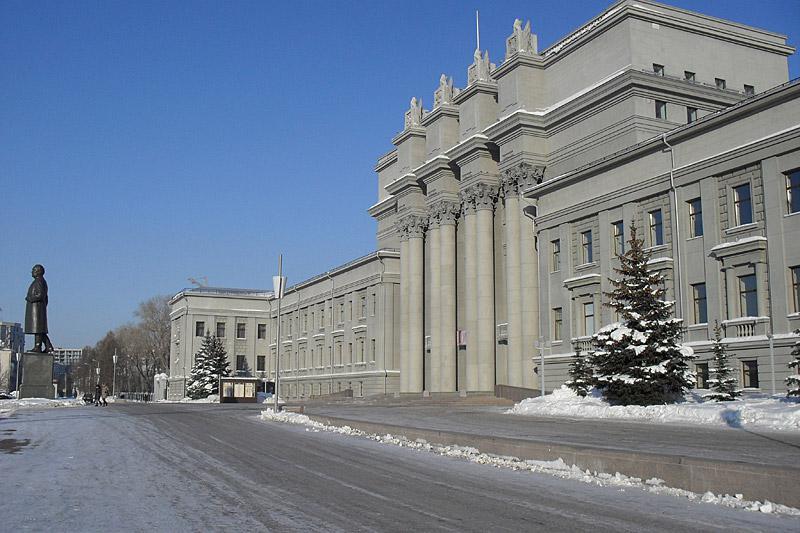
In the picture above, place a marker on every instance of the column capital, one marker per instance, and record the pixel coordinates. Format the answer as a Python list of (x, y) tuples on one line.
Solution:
[(416, 226), (515, 179), (444, 212), (482, 195)]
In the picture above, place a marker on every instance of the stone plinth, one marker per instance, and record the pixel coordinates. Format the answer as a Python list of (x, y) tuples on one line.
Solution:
[(37, 375)]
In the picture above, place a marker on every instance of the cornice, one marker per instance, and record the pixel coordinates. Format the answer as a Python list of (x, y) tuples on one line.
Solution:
[(468, 149), (413, 131), (444, 110), (518, 60), (382, 207), (767, 99), (478, 87), (386, 160), (403, 184), (433, 168)]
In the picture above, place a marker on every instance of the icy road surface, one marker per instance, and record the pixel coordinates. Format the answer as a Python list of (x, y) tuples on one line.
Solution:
[(178, 467)]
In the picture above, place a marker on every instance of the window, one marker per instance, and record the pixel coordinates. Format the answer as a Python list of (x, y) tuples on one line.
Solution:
[(349, 352), (658, 69), (221, 330), (619, 237), (341, 312), (262, 331), (586, 245), (691, 114), (241, 330), (305, 321), (701, 371), (695, 217), (749, 90), (374, 303), (241, 365), (688, 76), (338, 353), (750, 374), (700, 303), (748, 295), (199, 329), (795, 273), (322, 317), (742, 204), (261, 363), (350, 310), (363, 306), (661, 109), (720, 83), (588, 318), (793, 191), (656, 228), (372, 350), (555, 247), (557, 322)]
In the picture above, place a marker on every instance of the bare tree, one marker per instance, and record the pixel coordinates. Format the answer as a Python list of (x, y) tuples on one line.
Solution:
[(153, 317)]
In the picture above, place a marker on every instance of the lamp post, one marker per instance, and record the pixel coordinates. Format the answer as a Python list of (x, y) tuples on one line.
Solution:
[(18, 357), (114, 379), (278, 283)]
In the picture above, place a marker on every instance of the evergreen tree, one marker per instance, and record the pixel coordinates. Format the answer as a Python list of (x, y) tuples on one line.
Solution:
[(580, 373), (722, 381), (639, 360), (793, 381), (210, 362)]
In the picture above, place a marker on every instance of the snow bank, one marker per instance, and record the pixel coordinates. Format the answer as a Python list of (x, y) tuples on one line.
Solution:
[(763, 413), (557, 468), (9, 407)]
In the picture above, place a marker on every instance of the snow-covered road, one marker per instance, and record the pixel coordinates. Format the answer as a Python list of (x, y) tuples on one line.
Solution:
[(174, 467)]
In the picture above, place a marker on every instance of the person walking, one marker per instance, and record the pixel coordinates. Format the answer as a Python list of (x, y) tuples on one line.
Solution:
[(104, 395), (97, 392)]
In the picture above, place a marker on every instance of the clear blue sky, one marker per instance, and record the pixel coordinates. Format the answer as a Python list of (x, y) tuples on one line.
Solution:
[(145, 142)]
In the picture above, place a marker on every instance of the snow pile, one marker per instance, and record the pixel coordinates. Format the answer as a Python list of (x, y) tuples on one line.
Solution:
[(764, 413), (211, 398), (9, 407), (557, 468)]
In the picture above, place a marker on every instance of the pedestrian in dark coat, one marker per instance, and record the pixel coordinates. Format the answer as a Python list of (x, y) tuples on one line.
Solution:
[(97, 392), (36, 311), (104, 395)]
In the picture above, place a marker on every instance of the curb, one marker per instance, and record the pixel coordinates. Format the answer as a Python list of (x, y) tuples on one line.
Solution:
[(777, 484)]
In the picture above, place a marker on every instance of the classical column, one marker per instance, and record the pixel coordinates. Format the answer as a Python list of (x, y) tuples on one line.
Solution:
[(416, 306), (448, 215), (402, 230), (484, 204), (530, 300), (510, 190), (470, 289), (434, 258)]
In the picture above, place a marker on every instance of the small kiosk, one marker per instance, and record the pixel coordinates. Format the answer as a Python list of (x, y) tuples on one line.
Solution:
[(238, 390)]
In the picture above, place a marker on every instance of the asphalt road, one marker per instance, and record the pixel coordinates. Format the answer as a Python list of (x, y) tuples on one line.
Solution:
[(177, 467)]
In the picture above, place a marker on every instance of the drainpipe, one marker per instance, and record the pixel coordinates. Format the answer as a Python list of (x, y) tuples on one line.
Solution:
[(676, 238), (383, 291)]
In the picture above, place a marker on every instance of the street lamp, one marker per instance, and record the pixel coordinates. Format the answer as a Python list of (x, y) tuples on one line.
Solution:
[(114, 381), (278, 283), (18, 356)]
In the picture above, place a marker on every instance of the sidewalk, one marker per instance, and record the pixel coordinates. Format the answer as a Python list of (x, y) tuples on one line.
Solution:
[(760, 465)]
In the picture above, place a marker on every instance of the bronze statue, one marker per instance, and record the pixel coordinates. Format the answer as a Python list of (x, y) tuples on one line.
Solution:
[(36, 311)]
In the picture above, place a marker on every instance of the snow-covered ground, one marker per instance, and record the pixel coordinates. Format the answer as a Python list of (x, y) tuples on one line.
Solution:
[(777, 413), (9, 407), (557, 468)]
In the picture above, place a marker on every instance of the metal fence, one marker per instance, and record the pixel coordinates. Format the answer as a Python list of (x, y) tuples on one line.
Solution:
[(136, 396)]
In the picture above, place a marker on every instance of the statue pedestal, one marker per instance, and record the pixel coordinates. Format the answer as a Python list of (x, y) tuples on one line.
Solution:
[(37, 375)]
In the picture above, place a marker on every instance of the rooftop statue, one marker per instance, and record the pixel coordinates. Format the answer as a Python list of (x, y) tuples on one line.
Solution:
[(521, 40), (414, 113), (36, 311), (481, 68), (445, 93)]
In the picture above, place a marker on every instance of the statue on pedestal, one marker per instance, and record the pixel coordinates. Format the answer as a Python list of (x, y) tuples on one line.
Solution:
[(36, 311)]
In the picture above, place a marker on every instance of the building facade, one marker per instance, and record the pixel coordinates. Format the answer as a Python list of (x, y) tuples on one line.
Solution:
[(510, 198), (501, 212), (337, 331), (12, 342)]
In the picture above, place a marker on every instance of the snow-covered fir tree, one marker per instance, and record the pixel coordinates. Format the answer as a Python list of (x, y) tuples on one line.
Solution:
[(580, 374), (210, 362), (793, 381), (722, 381), (639, 359)]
